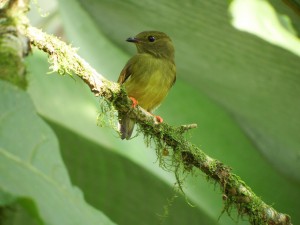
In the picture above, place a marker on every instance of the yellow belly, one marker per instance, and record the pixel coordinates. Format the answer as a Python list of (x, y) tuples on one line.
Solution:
[(151, 85)]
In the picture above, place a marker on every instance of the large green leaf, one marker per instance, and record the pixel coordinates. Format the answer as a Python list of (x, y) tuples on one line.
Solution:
[(214, 61), (31, 166)]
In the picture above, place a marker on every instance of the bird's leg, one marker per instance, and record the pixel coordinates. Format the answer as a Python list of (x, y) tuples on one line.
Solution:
[(134, 102), (159, 119)]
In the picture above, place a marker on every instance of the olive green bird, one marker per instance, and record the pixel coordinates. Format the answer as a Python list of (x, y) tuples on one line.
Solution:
[(148, 75)]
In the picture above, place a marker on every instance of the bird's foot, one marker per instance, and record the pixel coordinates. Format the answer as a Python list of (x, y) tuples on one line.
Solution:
[(134, 102), (159, 119)]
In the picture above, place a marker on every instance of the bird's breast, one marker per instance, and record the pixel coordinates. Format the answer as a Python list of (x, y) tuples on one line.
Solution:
[(150, 81)]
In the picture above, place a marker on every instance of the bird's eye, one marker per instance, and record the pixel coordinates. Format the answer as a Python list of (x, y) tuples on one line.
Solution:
[(151, 38)]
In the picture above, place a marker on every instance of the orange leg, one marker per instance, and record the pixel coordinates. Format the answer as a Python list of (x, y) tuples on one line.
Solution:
[(159, 119), (134, 102)]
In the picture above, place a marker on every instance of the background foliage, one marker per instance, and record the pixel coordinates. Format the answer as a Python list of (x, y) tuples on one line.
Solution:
[(241, 90)]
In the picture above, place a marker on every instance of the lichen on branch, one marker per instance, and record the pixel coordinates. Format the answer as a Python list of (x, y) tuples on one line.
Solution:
[(13, 45), (64, 59)]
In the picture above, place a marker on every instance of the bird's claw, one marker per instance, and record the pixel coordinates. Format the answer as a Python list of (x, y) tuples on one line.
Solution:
[(159, 119), (134, 102)]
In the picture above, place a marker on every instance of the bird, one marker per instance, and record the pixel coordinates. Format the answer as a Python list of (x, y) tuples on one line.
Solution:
[(148, 75)]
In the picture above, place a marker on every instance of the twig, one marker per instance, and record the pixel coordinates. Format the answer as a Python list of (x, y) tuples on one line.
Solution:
[(184, 128), (63, 58)]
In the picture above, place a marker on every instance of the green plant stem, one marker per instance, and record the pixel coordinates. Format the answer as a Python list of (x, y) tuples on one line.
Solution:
[(64, 59)]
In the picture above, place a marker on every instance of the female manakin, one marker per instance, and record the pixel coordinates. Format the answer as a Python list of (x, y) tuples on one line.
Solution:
[(148, 75)]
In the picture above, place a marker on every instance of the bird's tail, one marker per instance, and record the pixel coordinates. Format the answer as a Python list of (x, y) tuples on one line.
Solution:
[(126, 127)]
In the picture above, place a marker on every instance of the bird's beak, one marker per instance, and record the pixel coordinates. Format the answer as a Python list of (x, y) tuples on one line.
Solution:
[(132, 39)]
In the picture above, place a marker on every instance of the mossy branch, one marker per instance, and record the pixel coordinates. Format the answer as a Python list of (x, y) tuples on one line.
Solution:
[(13, 45), (236, 193)]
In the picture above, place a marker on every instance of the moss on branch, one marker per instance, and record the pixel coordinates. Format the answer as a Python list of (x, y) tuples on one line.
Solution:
[(13, 45), (186, 156)]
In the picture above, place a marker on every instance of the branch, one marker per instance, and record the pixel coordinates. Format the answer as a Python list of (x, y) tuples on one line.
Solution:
[(13, 45), (236, 193)]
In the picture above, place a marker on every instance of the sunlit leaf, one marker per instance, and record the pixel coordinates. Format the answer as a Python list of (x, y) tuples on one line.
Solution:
[(260, 18)]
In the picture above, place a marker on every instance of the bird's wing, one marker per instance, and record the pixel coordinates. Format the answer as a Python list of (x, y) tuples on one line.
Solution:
[(173, 68), (127, 71)]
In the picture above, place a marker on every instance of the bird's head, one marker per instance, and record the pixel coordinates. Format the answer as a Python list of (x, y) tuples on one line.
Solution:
[(155, 43)]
